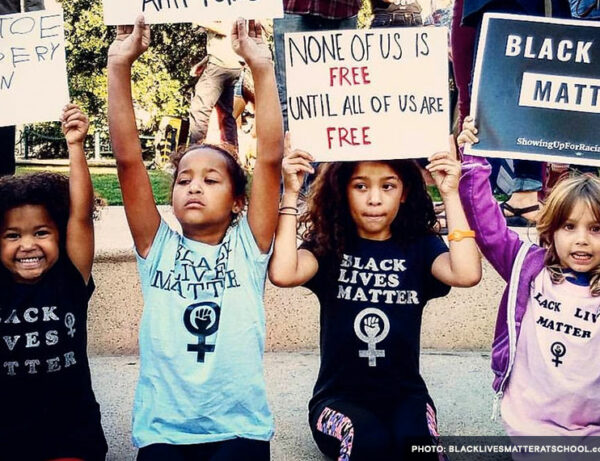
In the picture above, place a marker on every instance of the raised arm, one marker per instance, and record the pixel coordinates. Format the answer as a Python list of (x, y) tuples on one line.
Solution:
[(140, 208), (497, 242), (80, 227), (461, 267), (290, 267), (264, 195)]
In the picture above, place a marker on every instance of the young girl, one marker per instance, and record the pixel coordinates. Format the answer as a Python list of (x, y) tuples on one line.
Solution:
[(201, 391), (372, 258), (546, 333), (46, 253)]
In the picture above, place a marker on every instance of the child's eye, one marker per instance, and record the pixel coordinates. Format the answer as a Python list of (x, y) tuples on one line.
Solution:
[(42, 233), (183, 181), (360, 186), (389, 186), (210, 181), (11, 236), (595, 229), (569, 226)]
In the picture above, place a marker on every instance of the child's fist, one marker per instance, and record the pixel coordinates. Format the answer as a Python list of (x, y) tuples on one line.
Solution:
[(248, 42), (130, 43), (296, 163), (445, 169), (75, 124), (468, 134)]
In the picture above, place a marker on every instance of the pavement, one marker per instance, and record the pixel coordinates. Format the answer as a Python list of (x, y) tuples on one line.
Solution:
[(459, 383)]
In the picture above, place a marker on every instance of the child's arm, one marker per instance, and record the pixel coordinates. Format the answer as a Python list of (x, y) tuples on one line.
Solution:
[(264, 195), (461, 267), (80, 227), (290, 267), (497, 242), (140, 208)]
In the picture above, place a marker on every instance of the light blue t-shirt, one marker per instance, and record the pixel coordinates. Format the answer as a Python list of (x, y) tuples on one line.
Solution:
[(201, 341)]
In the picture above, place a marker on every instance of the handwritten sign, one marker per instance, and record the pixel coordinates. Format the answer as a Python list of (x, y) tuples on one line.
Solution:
[(360, 95), (536, 90), (175, 11), (33, 70)]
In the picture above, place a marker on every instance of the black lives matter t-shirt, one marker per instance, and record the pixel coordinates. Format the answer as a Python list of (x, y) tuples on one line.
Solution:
[(48, 406), (371, 307)]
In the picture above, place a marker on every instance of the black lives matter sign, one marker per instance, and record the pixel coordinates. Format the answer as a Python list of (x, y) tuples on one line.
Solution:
[(536, 91)]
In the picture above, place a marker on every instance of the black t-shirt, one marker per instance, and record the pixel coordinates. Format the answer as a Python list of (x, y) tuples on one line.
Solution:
[(371, 307), (48, 406)]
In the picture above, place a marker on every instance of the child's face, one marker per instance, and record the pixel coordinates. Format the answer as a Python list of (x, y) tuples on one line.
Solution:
[(577, 241), (375, 192), (203, 192), (29, 243)]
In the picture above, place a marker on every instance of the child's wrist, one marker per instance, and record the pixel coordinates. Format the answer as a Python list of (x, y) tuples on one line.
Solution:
[(260, 65), (289, 198), (453, 195), (78, 143), (120, 62)]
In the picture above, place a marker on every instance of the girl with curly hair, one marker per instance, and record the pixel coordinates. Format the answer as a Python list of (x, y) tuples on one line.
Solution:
[(46, 255), (201, 390), (544, 354), (371, 255)]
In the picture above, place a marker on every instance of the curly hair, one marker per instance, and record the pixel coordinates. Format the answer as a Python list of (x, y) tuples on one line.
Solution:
[(50, 190), (329, 227), (237, 175), (556, 211)]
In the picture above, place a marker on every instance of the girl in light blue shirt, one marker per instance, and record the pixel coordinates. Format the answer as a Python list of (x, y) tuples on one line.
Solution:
[(201, 391)]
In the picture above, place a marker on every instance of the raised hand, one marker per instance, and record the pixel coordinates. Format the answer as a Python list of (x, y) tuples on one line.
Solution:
[(75, 124), (130, 43), (296, 163), (248, 42)]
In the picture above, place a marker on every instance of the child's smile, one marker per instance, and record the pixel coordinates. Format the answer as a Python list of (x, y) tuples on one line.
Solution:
[(29, 243), (577, 241)]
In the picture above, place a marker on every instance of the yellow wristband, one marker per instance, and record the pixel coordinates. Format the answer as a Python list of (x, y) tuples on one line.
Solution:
[(458, 235)]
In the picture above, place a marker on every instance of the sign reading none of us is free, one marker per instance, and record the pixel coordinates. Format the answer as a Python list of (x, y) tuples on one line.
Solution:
[(33, 70), (536, 89), (177, 11), (368, 95)]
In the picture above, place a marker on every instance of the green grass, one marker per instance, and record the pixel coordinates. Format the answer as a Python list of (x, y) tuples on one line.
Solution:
[(106, 184)]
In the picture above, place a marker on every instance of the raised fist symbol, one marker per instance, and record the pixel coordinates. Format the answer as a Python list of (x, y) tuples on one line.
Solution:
[(371, 325), (203, 318)]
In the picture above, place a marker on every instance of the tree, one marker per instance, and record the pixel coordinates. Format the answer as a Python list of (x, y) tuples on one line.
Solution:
[(161, 81)]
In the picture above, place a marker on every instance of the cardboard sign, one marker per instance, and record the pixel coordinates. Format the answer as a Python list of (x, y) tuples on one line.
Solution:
[(33, 69), (368, 94), (175, 11), (536, 91)]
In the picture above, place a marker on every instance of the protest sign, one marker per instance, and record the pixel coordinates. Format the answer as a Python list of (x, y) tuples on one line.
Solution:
[(174, 11), (33, 70), (368, 94), (536, 90)]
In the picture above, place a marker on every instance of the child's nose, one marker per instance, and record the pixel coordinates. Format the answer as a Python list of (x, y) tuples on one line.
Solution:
[(27, 242), (195, 188), (374, 197), (582, 237)]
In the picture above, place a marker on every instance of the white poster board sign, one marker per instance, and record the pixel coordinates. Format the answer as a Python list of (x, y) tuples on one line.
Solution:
[(368, 94), (33, 69), (176, 11)]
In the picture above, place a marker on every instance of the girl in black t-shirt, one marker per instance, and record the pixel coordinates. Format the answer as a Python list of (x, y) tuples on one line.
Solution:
[(372, 257), (46, 253)]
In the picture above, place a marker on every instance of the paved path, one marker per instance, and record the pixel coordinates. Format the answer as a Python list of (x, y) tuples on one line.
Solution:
[(459, 383)]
